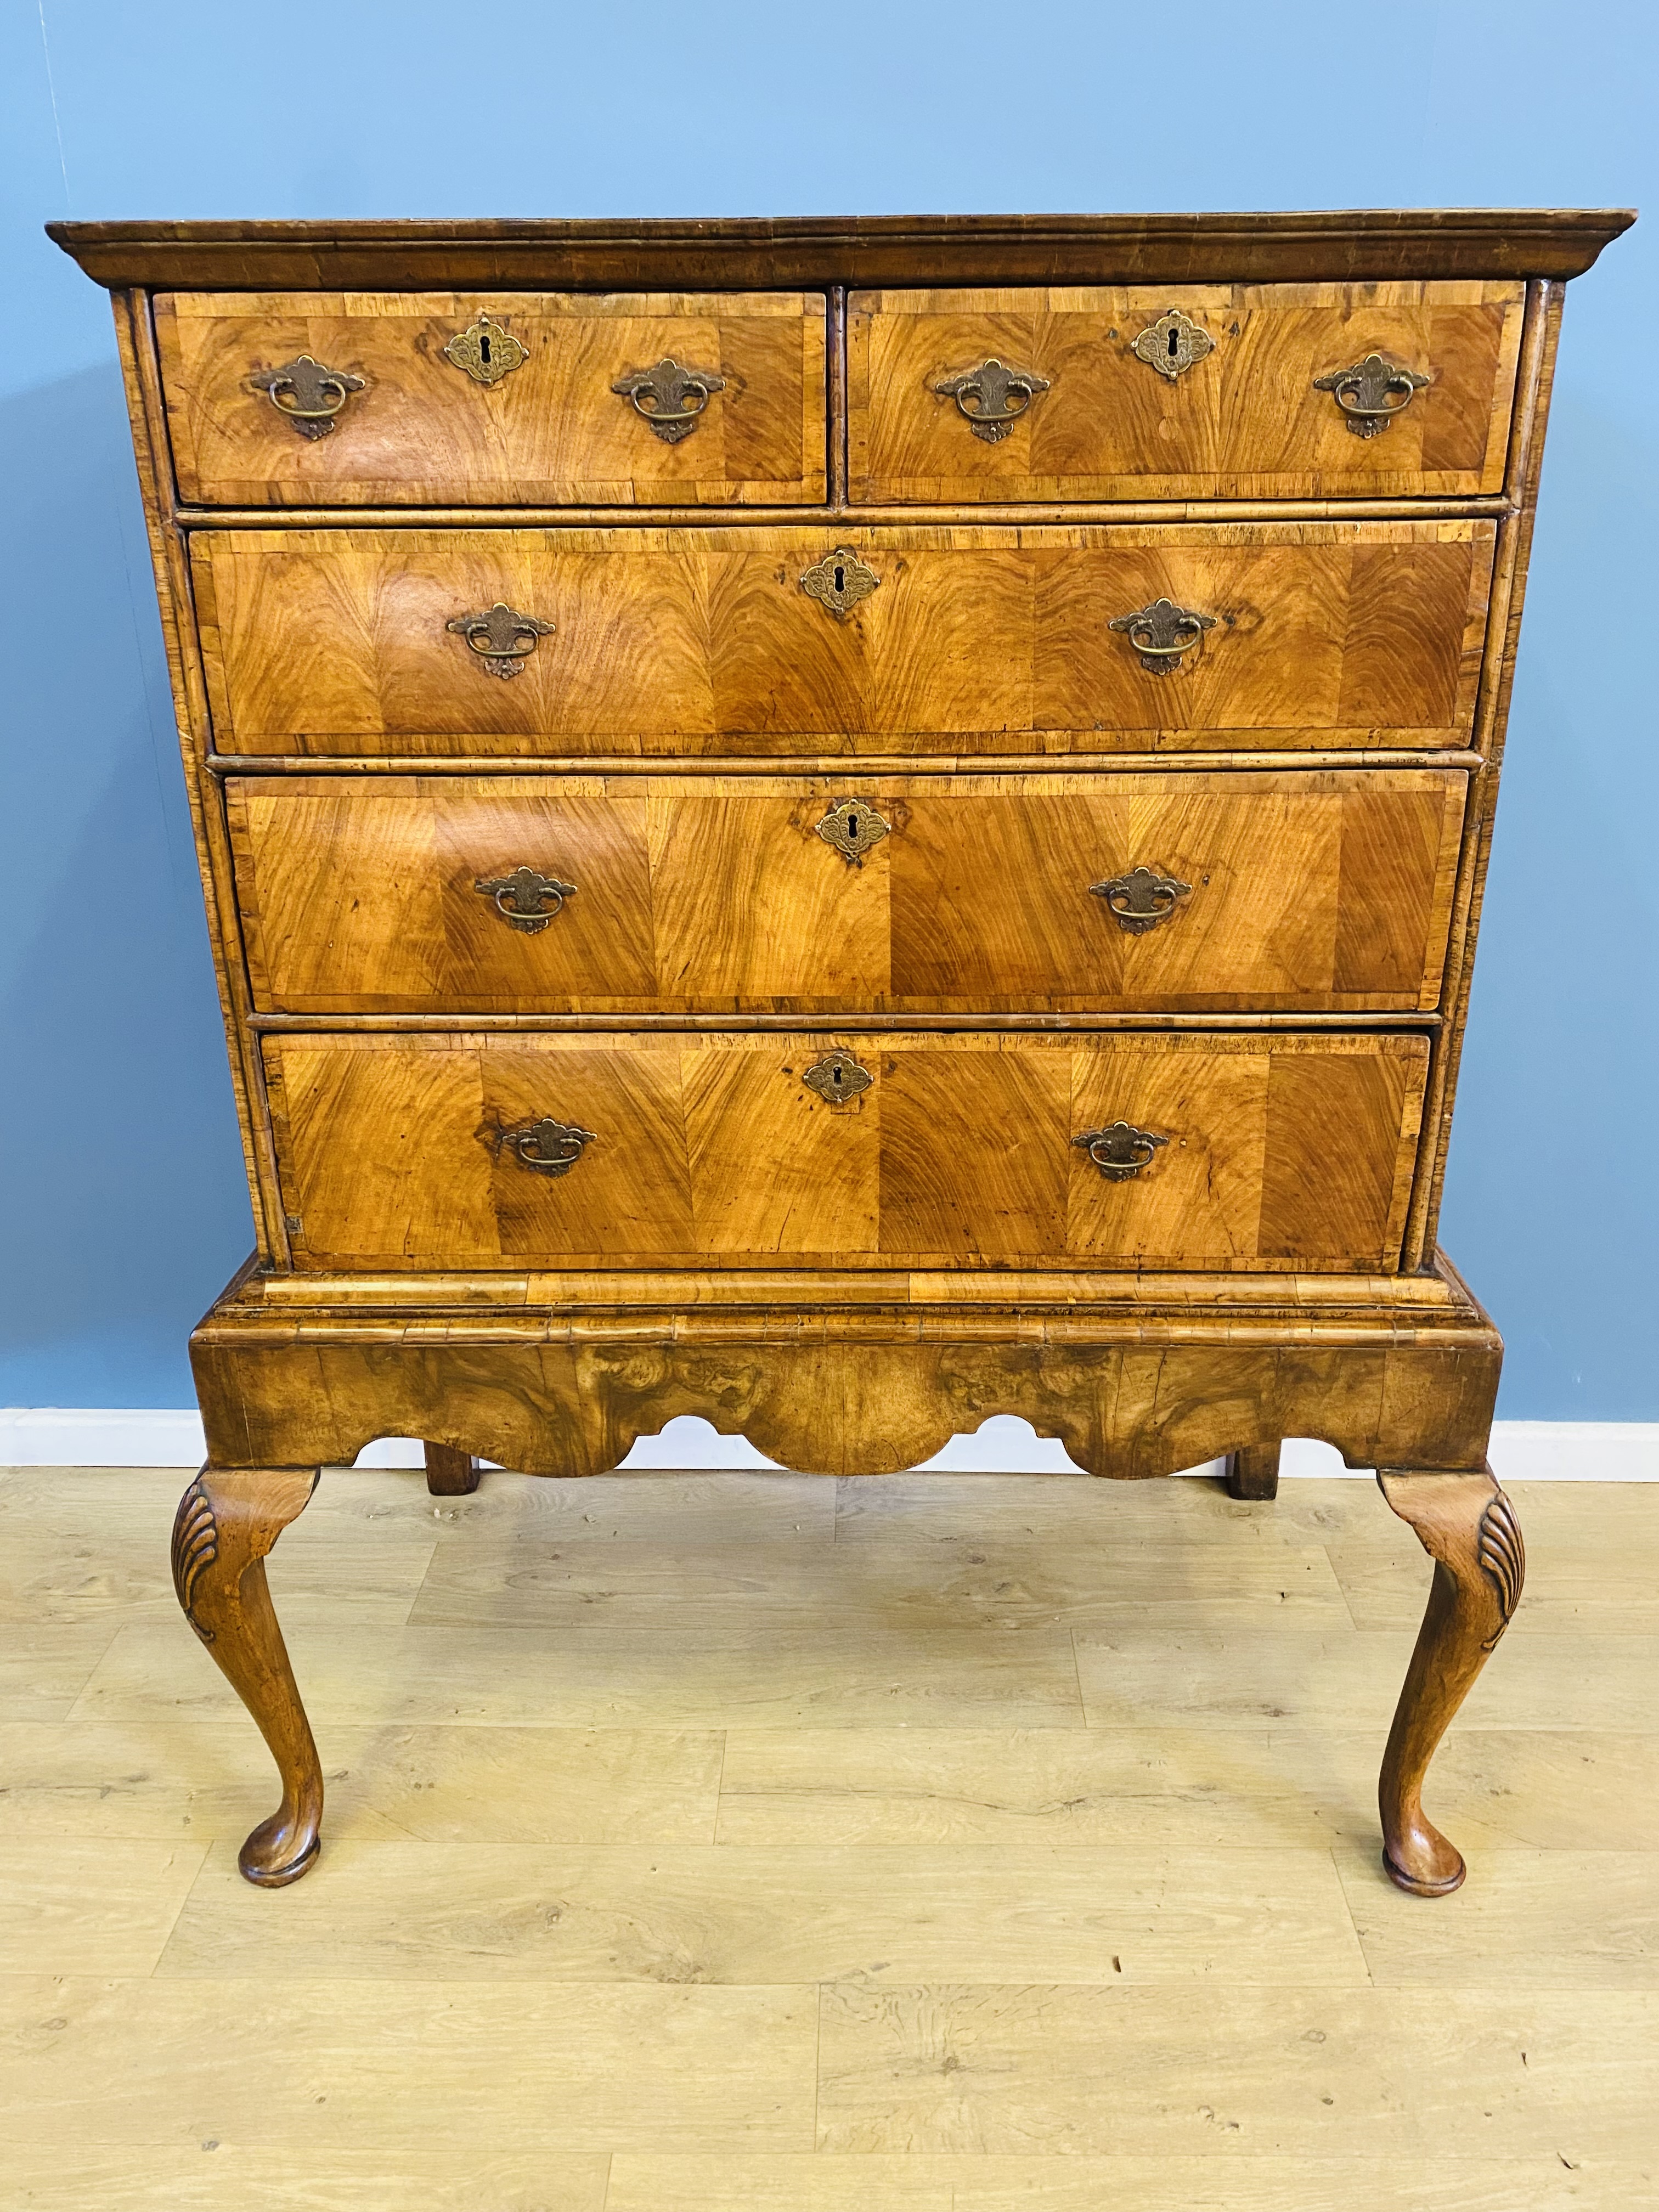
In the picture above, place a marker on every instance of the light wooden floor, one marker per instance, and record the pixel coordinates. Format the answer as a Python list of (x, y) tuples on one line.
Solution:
[(759, 1843)]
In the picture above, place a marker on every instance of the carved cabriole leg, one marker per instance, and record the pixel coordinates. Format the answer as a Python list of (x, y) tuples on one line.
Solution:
[(228, 1520), (449, 1472), (1468, 1528), (1252, 1471)]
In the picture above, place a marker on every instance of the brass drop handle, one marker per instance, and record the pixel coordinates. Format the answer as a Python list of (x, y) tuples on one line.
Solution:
[(670, 398), (502, 638), (1161, 633), (315, 393), (546, 1146), (526, 900), (1001, 395), (1372, 392), (1141, 899), (1120, 1150)]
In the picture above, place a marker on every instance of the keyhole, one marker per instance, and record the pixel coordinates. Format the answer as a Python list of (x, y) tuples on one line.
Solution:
[(841, 580), (852, 825), (1175, 344), (484, 351), (836, 1077)]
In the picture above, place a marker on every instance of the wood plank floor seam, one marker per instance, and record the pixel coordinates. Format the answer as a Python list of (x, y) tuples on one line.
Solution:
[(719, 1790), (1360, 1943), (1342, 1587)]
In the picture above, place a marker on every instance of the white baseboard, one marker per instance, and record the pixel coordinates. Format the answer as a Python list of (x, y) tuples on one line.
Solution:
[(98, 1436)]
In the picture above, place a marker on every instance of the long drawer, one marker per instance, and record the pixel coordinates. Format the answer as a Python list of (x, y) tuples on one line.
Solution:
[(645, 640), (1186, 891), (1213, 391), (1275, 1152), (382, 398)]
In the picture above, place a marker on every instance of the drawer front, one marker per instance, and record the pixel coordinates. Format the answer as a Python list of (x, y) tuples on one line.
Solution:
[(1200, 392), (410, 397), (645, 640), (1187, 892), (1263, 1152)]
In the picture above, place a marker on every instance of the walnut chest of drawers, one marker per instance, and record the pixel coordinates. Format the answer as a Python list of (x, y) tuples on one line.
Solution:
[(844, 827)]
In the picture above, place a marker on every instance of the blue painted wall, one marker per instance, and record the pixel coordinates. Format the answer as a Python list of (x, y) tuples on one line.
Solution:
[(122, 1206)]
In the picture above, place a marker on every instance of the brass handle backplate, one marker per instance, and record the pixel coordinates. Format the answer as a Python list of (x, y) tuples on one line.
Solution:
[(837, 1077), (1161, 633), (1141, 899), (546, 1146), (853, 828), (670, 398), (315, 394), (1001, 395), (1120, 1151), (1172, 345), (502, 638), (486, 351), (526, 900), (1372, 392), (839, 581)]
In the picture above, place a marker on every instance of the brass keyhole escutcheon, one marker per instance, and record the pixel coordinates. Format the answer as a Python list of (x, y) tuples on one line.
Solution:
[(1173, 344), (839, 581), (1141, 899), (1120, 1151), (309, 393), (853, 828), (837, 1077), (487, 351)]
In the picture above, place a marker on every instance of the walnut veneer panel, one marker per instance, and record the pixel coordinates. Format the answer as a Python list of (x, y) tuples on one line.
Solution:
[(699, 640), (1246, 421), (1312, 891), (552, 432), (1282, 1151)]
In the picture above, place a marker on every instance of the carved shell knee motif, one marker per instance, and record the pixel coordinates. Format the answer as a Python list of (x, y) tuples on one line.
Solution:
[(1503, 1556), (195, 1548)]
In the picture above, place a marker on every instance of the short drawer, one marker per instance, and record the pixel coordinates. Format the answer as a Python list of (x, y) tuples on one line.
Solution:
[(1186, 1150), (1235, 391), (1191, 892), (643, 640), (372, 398)]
